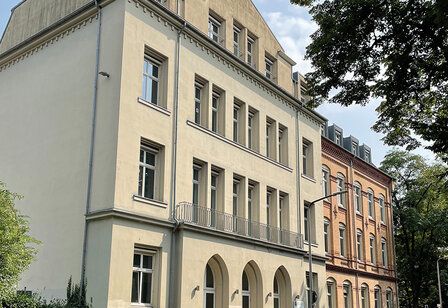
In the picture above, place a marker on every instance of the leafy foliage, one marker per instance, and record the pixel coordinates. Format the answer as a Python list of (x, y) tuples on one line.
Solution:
[(16, 252), (420, 202), (393, 50)]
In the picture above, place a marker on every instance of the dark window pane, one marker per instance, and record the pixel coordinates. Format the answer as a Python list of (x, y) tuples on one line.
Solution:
[(245, 282), (275, 285), (276, 303), (146, 288), (136, 260), (149, 183), (150, 158), (135, 284), (142, 156), (147, 262), (210, 300), (246, 301), (154, 94), (209, 279), (155, 71)]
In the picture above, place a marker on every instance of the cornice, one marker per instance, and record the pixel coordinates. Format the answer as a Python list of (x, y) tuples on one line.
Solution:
[(352, 271)]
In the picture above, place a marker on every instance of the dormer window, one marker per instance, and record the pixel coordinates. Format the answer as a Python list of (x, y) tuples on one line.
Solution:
[(338, 138), (269, 72), (355, 148), (214, 29), (367, 156)]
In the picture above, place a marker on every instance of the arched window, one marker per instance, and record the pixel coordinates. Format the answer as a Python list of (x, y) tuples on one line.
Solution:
[(358, 197), (359, 244), (365, 302), (370, 201), (327, 235), (389, 298), (342, 240), (325, 181), (331, 293), (377, 297), (340, 187), (209, 289), (245, 291), (382, 208), (216, 283), (282, 294), (347, 293)]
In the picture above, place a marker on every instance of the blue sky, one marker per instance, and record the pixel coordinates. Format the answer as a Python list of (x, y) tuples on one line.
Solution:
[(292, 25)]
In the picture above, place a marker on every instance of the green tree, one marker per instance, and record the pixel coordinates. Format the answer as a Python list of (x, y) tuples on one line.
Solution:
[(16, 245), (420, 204), (396, 51)]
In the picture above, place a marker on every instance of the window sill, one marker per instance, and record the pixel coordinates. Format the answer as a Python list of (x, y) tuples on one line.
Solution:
[(312, 244), (372, 219), (308, 178), (383, 224), (236, 144), (149, 201), (141, 305), (155, 107), (341, 207), (359, 214)]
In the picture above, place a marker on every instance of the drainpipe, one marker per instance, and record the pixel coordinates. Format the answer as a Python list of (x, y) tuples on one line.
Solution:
[(172, 290), (92, 143), (299, 221)]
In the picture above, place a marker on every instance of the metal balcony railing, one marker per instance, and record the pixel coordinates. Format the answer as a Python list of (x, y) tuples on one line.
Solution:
[(212, 219)]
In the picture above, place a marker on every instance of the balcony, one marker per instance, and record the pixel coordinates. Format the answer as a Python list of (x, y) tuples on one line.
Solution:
[(191, 214)]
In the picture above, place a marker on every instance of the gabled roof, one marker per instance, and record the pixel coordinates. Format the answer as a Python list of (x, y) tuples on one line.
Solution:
[(30, 17)]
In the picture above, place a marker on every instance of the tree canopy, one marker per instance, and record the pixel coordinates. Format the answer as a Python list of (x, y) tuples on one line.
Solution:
[(16, 245), (420, 205), (396, 51)]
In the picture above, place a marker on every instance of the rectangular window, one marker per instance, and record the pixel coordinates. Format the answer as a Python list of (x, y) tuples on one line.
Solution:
[(315, 287), (196, 183), (389, 299), (283, 145), (367, 156), (371, 204), (327, 235), (372, 245), (338, 138), (342, 242), (364, 297), (214, 30), (150, 169), (359, 244), (382, 209), (151, 80), (198, 102), (215, 111), (142, 277), (236, 41), (250, 51), (340, 187), (270, 138), (307, 158), (268, 207), (236, 124), (308, 216), (355, 148), (325, 182), (250, 130), (384, 252), (269, 64), (358, 199), (347, 292)]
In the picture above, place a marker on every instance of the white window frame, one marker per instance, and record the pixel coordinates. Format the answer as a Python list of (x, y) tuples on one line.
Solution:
[(269, 68), (384, 258), (342, 240), (250, 128), (237, 43), (148, 149), (250, 50), (236, 119), (372, 247), (209, 290), (338, 138), (340, 183), (382, 209), (148, 77), (389, 298), (365, 296), (140, 270), (325, 182), (347, 295), (198, 88), (276, 295), (215, 111), (268, 207), (377, 297), (327, 234), (359, 245), (246, 293), (211, 33), (371, 203), (358, 198), (331, 293)]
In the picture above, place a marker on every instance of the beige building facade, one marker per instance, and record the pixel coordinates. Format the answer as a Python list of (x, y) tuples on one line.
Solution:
[(162, 152), (358, 227)]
